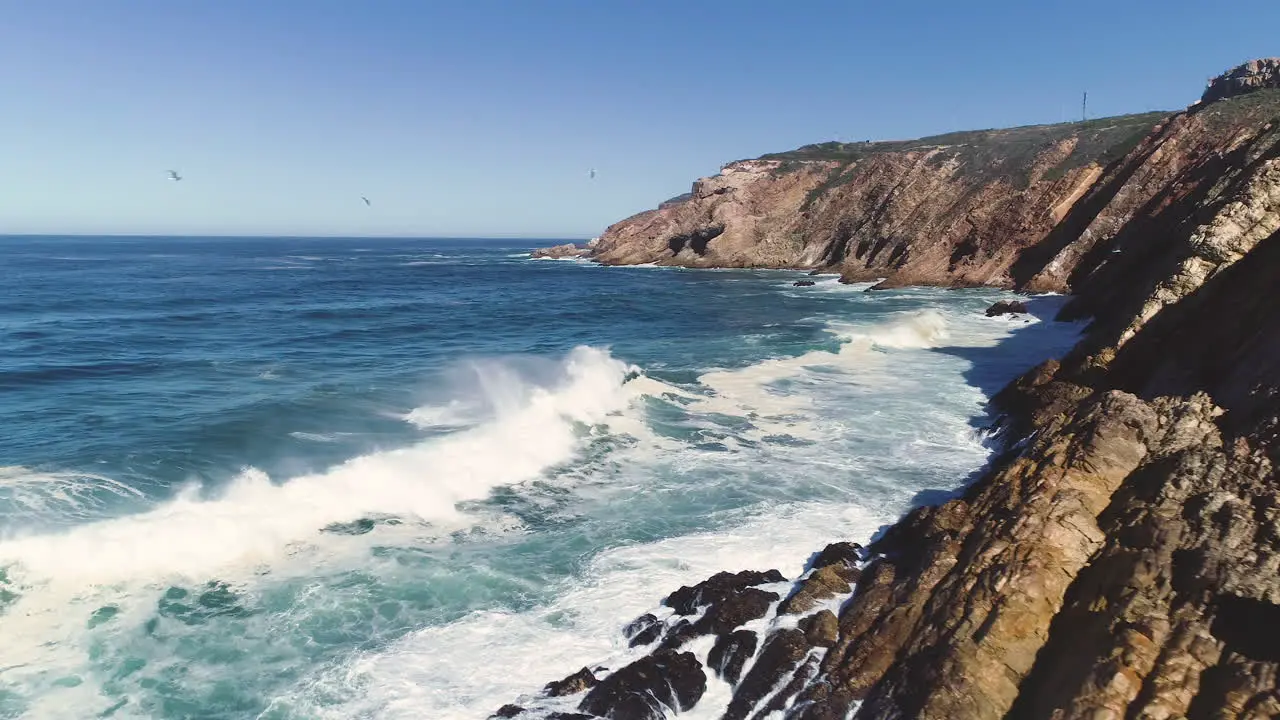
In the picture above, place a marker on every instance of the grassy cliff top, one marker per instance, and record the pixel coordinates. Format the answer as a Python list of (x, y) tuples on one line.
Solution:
[(1098, 134)]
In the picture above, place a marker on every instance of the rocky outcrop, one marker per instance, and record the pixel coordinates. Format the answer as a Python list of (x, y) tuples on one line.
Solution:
[(1122, 558), (560, 252), (1006, 307), (1041, 208), (1242, 79)]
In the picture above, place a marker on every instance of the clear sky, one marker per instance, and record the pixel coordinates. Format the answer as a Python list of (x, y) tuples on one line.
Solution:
[(483, 117)]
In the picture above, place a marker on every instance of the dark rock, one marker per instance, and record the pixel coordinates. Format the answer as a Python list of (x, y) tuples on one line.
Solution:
[(580, 681), (782, 653), (802, 676), (508, 711), (570, 716), (838, 553), (821, 629), (643, 630), (731, 653), (803, 283), (1007, 307), (679, 634), (648, 687), (733, 611), (687, 600)]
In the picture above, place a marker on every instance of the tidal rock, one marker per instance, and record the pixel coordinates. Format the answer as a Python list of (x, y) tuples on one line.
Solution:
[(821, 584), (1007, 307), (838, 553), (731, 653), (568, 250), (643, 630), (580, 681), (821, 629), (782, 653), (716, 588), (803, 283), (648, 688), (570, 716), (733, 611), (508, 711)]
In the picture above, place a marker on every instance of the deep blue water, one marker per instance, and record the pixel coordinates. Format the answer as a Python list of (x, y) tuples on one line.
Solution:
[(295, 478)]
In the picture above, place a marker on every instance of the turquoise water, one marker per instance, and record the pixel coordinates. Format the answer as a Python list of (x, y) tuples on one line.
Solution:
[(300, 478)]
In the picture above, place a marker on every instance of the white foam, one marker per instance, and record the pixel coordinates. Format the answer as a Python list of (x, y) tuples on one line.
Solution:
[(468, 668), (255, 520)]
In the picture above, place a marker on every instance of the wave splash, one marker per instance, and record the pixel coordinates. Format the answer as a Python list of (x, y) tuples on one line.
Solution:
[(536, 425)]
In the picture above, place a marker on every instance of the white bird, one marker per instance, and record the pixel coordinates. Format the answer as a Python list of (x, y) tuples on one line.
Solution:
[(174, 176)]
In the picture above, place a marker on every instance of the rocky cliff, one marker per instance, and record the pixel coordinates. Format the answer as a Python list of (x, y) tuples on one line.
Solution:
[(1122, 558), (1019, 207)]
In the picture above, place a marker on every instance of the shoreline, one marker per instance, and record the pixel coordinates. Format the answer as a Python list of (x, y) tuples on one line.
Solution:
[(1118, 559)]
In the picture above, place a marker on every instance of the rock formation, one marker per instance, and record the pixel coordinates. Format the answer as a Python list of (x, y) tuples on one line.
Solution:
[(1122, 559)]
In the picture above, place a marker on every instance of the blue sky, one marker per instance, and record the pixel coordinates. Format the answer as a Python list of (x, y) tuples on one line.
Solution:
[(482, 118)]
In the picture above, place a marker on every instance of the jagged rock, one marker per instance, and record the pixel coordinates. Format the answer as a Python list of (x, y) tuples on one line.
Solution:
[(643, 630), (1242, 79), (1007, 307), (821, 629), (741, 607), (731, 653), (716, 588), (837, 553), (570, 716), (783, 651), (825, 582), (803, 283), (679, 633), (646, 688), (580, 681), (568, 250), (508, 711)]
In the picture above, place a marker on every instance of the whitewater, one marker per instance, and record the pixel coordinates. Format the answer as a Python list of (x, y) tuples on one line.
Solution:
[(405, 479)]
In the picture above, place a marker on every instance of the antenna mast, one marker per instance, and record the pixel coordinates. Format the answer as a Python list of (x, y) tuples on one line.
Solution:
[(1084, 108)]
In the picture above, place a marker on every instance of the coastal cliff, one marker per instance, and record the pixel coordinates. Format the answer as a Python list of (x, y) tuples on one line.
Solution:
[(1122, 558)]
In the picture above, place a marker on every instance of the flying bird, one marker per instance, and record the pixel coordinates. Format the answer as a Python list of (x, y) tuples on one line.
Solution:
[(366, 201), (592, 173), (174, 176)]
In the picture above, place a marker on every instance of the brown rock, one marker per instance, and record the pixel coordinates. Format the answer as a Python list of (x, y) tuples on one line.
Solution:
[(580, 681)]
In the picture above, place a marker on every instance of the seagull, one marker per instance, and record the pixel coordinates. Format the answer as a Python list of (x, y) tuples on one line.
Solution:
[(366, 200), (592, 173), (174, 176)]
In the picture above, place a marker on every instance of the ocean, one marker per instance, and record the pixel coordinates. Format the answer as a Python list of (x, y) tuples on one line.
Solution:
[(387, 478)]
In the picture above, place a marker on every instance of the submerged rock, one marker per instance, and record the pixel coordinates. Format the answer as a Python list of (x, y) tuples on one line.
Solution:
[(648, 687), (803, 283), (508, 711)]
